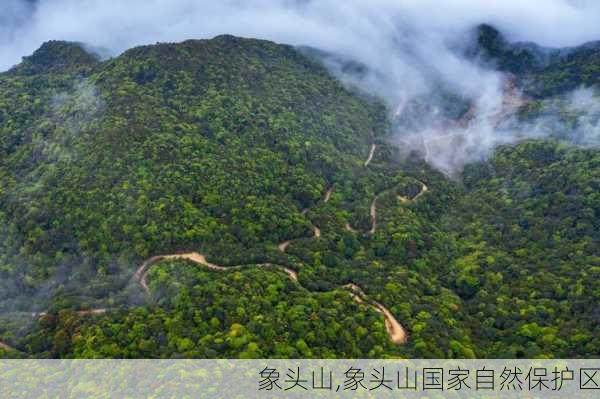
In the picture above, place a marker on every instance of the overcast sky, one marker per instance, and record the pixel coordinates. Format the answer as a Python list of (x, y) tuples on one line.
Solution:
[(331, 24)]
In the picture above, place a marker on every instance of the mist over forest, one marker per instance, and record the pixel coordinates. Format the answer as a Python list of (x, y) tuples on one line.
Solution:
[(297, 178)]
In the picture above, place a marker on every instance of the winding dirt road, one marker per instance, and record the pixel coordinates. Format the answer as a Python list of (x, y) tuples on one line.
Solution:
[(283, 245), (373, 211), (424, 189), (316, 231), (141, 273), (373, 216), (373, 204), (395, 330), (512, 101), (90, 312)]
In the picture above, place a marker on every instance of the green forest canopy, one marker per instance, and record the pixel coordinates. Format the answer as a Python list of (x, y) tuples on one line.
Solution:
[(217, 146)]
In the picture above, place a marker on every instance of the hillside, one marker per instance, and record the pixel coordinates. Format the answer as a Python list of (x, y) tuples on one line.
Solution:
[(246, 154), (542, 72)]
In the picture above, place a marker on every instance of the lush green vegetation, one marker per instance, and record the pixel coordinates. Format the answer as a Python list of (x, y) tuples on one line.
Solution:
[(541, 71), (251, 313), (217, 147), (527, 264)]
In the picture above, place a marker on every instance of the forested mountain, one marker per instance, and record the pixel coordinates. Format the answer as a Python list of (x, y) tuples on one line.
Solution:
[(249, 155), (541, 71)]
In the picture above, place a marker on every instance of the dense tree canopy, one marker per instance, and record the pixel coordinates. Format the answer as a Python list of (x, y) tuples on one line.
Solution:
[(229, 147)]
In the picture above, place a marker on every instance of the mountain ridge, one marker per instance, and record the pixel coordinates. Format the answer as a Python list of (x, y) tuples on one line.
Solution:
[(226, 147)]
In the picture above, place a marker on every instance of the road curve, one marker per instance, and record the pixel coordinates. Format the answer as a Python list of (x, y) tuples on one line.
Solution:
[(350, 228), (396, 331), (394, 328), (141, 273), (424, 189), (282, 246), (373, 211)]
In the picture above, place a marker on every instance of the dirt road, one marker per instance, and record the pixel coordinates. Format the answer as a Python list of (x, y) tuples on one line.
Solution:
[(373, 216), (371, 153), (316, 231), (395, 330), (350, 229), (142, 272), (90, 312), (282, 246), (424, 189), (328, 194), (373, 211)]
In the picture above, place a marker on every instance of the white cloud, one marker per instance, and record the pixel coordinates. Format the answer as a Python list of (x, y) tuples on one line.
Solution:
[(404, 42), (330, 24)]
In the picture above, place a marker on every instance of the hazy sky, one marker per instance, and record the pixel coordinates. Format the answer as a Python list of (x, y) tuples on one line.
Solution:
[(330, 24)]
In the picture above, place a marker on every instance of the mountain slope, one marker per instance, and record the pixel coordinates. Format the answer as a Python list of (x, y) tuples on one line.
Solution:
[(219, 145), (213, 146), (250, 155), (542, 72)]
